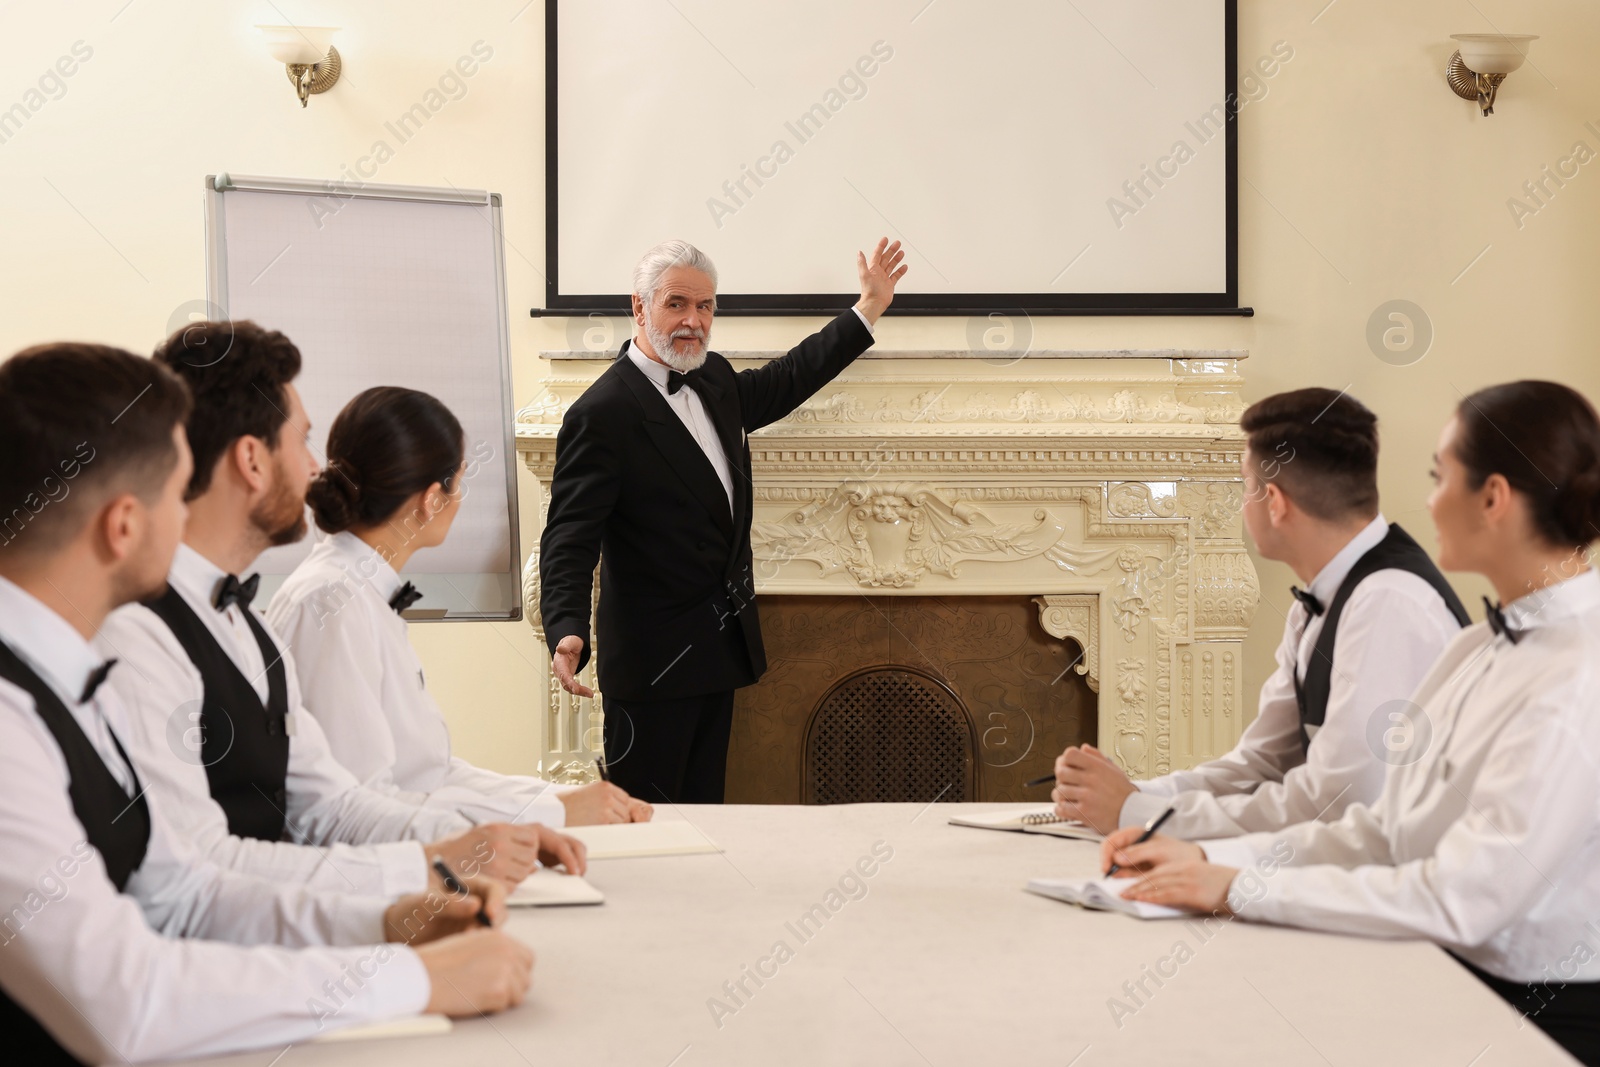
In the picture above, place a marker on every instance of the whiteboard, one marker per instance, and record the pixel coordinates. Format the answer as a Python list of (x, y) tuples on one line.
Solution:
[(994, 137), (387, 285)]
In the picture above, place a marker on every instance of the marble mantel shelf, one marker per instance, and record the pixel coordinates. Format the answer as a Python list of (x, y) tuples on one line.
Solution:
[(1102, 485)]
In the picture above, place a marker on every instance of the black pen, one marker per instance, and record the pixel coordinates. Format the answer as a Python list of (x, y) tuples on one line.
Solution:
[(600, 765), (453, 884), (1150, 829), (1034, 783)]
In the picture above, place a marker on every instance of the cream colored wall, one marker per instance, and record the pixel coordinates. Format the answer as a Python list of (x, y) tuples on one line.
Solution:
[(1363, 180)]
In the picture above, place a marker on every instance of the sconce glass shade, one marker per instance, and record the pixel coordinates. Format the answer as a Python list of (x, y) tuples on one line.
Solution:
[(298, 44), (1493, 53)]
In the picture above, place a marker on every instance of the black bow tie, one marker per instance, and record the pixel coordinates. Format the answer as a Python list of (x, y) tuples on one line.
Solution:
[(96, 677), (1312, 604), (676, 381), (233, 591), (404, 597), (1498, 624)]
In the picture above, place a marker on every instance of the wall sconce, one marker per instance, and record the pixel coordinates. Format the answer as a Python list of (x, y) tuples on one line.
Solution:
[(1482, 63), (307, 52)]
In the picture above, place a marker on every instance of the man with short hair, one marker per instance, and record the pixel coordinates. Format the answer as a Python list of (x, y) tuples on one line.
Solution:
[(1374, 617), (263, 782), (97, 886), (652, 481)]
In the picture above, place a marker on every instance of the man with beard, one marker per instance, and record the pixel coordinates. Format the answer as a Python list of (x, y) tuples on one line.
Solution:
[(652, 479), (220, 734)]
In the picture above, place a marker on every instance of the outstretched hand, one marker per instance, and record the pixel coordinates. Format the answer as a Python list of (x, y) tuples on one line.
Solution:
[(879, 273), (565, 665)]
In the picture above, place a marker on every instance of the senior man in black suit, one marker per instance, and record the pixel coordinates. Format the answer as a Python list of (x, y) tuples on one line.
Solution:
[(652, 478)]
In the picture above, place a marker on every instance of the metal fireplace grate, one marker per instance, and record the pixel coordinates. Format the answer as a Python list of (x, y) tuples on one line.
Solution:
[(889, 734)]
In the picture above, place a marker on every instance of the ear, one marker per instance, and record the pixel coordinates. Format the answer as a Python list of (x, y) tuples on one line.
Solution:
[(119, 527), (434, 499), (638, 310), (1277, 504), (1496, 499), (248, 458)]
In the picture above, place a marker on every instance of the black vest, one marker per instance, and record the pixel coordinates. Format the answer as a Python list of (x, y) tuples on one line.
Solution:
[(115, 825), (245, 746), (1396, 552)]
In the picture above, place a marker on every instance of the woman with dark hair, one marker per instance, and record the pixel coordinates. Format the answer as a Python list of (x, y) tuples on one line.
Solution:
[(1484, 839), (392, 486)]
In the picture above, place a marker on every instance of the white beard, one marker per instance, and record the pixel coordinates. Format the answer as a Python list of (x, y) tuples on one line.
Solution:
[(662, 343)]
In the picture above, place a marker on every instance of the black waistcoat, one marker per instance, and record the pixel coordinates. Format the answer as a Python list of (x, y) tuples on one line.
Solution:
[(116, 826), (244, 745), (1397, 552)]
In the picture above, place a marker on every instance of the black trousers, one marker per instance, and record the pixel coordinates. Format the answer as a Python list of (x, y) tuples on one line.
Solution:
[(670, 751), (1568, 1011)]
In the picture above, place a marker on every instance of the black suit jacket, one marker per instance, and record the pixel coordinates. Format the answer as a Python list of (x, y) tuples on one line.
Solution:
[(631, 488)]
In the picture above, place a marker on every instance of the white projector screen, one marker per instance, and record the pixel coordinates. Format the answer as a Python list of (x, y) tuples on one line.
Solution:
[(387, 285), (1073, 156)]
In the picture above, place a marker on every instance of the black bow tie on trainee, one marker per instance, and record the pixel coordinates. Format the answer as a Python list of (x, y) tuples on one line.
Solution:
[(96, 677), (233, 591), (1312, 604), (676, 381), (404, 597), (1498, 624)]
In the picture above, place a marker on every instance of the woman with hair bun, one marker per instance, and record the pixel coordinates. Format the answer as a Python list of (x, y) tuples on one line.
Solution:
[(1485, 837), (392, 486)]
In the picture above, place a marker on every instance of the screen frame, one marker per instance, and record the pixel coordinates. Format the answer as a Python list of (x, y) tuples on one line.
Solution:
[(558, 303)]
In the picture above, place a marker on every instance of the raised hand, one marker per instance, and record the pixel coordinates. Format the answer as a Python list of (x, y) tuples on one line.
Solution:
[(878, 277), (565, 665)]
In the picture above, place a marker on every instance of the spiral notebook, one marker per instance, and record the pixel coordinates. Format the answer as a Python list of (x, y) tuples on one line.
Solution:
[(1033, 821)]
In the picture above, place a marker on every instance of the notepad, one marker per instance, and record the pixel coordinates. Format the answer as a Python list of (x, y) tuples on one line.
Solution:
[(629, 839), (550, 889), (1101, 894), (414, 1026), (1036, 821)]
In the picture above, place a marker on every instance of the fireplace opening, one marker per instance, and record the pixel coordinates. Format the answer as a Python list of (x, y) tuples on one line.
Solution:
[(906, 698)]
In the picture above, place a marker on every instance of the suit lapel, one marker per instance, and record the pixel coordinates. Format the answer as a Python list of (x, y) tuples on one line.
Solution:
[(678, 446)]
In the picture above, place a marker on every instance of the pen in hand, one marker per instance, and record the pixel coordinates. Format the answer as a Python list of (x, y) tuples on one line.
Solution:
[(1034, 783), (1149, 831), (454, 885)]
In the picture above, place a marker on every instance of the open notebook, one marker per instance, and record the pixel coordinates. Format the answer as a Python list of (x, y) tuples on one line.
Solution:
[(628, 839), (1100, 894), (1032, 821), (552, 888)]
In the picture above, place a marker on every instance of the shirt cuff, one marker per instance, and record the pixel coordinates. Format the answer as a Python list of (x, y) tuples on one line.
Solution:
[(405, 867), (551, 813), (1140, 807), (862, 317), (1239, 852)]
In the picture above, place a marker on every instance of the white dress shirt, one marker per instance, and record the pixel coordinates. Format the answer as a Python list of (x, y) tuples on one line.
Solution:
[(327, 806), (1488, 843), (105, 972), (1394, 627), (362, 679), (691, 410)]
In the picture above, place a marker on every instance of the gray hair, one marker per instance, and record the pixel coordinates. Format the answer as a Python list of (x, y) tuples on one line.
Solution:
[(662, 258)]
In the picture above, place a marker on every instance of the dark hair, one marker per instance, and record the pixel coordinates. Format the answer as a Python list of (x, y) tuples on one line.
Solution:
[(1544, 438), (238, 373), (80, 423), (1320, 447), (387, 444)]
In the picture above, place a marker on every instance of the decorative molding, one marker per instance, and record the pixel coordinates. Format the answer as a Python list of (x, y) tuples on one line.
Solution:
[(1075, 617), (1107, 493)]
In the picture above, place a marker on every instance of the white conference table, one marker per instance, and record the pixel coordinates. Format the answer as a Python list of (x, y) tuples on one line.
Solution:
[(945, 960)]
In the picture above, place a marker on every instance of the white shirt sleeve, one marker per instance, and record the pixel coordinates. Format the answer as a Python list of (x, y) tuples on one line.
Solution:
[(341, 664), (161, 693), (1506, 833), (1394, 628), (85, 961)]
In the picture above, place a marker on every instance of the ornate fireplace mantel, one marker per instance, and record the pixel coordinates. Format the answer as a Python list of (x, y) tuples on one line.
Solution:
[(1103, 485)]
